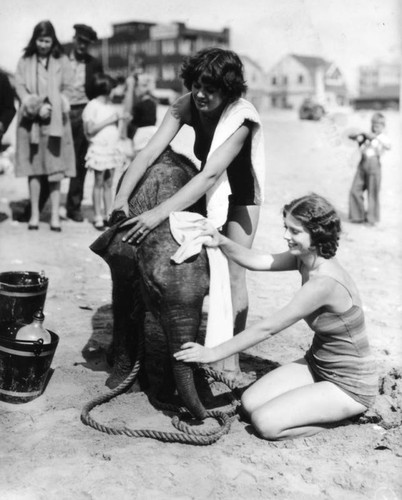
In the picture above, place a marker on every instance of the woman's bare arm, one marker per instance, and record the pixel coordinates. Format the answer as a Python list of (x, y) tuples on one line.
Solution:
[(312, 295), (168, 129), (193, 190), (249, 258)]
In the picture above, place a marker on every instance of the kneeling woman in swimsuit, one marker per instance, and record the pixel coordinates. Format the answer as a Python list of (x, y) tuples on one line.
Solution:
[(336, 379)]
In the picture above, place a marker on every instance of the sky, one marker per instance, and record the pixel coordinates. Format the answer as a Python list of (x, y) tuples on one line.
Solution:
[(350, 33)]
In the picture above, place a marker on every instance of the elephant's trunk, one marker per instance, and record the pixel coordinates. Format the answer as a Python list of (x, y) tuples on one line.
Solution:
[(181, 325)]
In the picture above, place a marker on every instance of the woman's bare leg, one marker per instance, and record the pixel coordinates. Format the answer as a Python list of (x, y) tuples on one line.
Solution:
[(97, 195), (287, 403), (34, 193), (54, 189), (241, 228), (108, 193)]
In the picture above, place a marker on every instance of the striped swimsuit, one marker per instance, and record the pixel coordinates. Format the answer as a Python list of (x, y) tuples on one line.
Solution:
[(340, 353)]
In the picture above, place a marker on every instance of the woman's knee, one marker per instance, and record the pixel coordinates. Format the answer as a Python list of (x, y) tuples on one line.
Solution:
[(249, 402), (265, 425)]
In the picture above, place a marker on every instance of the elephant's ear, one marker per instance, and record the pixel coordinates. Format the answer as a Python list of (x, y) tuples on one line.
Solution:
[(116, 217)]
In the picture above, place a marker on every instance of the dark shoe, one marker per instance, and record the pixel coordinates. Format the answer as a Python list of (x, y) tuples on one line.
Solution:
[(33, 227), (75, 216), (56, 229)]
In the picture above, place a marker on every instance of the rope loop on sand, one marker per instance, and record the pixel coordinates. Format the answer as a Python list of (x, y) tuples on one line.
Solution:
[(189, 433)]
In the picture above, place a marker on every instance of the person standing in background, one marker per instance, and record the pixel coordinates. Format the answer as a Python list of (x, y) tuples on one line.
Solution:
[(44, 152), (367, 179), (85, 67), (7, 107), (101, 119)]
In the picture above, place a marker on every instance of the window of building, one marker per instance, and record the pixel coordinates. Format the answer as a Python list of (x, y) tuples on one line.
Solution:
[(301, 79), (285, 80), (168, 72), (150, 47), (185, 47), (153, 70), (168, 47), (273, 80)]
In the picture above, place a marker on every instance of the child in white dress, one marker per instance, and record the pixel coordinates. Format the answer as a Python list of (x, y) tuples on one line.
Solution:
[(101, 118)]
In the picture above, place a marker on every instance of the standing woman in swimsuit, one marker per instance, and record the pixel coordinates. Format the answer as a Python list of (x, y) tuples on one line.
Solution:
[(216, 83), (336, 379)]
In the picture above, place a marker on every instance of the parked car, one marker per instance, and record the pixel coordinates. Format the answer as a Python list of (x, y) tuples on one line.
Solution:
[(311, 110)]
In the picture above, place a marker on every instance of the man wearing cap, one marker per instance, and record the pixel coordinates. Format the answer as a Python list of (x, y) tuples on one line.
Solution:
[(85, 67)]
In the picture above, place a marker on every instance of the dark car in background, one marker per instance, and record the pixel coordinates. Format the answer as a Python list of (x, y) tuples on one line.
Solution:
[(311, 110)]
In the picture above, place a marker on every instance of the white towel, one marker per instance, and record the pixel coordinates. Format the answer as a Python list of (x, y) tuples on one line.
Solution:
[(186, 229), (233, 117)]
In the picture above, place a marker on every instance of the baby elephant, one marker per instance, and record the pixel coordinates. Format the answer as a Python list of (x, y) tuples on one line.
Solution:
[(144, 277)]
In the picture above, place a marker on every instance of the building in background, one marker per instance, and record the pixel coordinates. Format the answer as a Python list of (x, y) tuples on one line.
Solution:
[(159, 49), (296, 78), (379, 86), (257, 83)]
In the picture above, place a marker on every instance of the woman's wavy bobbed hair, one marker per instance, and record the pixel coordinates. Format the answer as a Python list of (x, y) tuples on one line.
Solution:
[(218, 67), (320, 219)]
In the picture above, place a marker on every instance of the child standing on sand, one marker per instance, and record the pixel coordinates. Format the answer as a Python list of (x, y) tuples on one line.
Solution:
[(101, 118), (368, 176)]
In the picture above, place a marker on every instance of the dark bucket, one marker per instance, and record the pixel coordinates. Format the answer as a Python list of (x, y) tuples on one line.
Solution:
[(22, 293), (24, 367)]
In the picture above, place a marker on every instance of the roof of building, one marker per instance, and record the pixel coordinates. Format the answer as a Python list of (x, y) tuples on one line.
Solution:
[(311, 62), (251, 61)]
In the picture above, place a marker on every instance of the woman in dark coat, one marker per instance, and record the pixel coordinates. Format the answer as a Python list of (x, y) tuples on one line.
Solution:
[(44, 80)]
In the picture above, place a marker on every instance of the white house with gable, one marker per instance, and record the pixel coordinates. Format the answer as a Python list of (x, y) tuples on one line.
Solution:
[(297, 77)]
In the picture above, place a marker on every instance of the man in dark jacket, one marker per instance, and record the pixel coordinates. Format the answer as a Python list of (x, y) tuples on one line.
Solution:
[(7, 106), (85, 67)]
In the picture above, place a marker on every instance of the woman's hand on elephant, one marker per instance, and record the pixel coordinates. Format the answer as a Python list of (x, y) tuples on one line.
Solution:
[(191, 352), (208, 229), (142, 225)]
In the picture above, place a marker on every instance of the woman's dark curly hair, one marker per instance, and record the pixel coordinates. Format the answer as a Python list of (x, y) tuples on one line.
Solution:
[(320, 219), (44, 28), (218, 67)]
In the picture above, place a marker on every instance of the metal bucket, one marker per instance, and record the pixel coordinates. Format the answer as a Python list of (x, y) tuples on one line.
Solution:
[(24, 367), (22, 293)]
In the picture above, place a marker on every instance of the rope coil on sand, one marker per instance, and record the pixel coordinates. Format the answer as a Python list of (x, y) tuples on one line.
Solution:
[(188, 435)]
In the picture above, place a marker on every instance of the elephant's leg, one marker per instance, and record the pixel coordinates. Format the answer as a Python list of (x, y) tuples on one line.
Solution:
[(157, 360), (128, 318)]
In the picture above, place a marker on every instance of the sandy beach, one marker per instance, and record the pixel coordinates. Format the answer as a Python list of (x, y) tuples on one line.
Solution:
[(48, 453)]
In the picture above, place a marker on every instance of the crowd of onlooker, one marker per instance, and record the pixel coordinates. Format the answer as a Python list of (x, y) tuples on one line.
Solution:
[(68, 123)]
